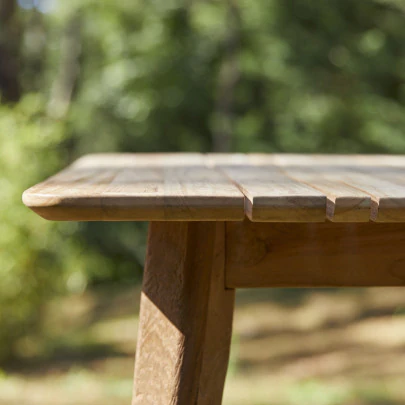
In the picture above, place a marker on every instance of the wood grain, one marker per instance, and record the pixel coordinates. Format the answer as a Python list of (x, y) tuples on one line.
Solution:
[(128, 160), (271, 196), (381, 177), (218, 329), (137, 187), (225, 187), (344, 203), (315, 254), (358, 188), (186, 316)]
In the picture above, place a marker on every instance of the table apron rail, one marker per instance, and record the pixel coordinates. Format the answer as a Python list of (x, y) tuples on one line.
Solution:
[(314, 254)]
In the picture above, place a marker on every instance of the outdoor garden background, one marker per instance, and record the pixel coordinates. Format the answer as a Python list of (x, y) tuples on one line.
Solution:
[(80, 76)]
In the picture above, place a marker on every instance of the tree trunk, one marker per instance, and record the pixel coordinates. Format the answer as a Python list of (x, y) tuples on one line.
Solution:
[(9, 52), (227, 81), (69, 69)]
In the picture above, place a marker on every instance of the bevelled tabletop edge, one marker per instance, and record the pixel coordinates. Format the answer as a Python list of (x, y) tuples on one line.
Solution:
[(50, 206), (224, 203)]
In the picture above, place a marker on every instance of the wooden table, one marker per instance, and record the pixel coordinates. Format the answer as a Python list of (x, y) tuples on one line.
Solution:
[(220, 222)]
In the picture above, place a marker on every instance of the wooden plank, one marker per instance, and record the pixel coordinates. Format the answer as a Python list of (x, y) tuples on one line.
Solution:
[(314, 254), (128, 160), (137, 187), (226, 159), (315, 160), (344, 203), (186, 316), (381, 177), (218, 329), (386, 184), (273, 188), (271, 196), (387, 197)]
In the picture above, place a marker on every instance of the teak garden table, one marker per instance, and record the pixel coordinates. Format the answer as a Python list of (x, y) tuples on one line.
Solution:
[(220, 222)]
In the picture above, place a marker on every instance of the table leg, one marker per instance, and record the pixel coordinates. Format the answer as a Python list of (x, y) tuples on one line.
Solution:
[(186, 316)]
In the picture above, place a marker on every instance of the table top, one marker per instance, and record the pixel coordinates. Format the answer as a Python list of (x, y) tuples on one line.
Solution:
[(224, 187)]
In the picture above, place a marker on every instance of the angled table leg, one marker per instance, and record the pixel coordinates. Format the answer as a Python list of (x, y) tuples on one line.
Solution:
[(186, 316)]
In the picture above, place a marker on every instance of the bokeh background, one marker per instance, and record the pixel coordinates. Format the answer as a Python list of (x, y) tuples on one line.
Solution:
[(80, 76)]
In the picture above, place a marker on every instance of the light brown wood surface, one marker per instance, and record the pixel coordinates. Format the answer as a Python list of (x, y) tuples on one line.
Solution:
[(272, 196), (225, 187), (137, 187), (218, 334), (358, 188), (314, 254), (186, 316), (381, 177), (344, 202)]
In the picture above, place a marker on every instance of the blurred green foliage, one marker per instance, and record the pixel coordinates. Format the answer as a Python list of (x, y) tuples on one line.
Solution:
[(84, 76), (30, 251)]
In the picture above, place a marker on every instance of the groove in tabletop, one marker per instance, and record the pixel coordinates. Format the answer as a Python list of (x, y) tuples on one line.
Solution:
[(191, 186), (379, 179), (387, 198), (271, 196), (345, 203)]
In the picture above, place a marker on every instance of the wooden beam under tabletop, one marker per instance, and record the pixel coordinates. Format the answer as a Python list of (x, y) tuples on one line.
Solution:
[(314, 254)]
